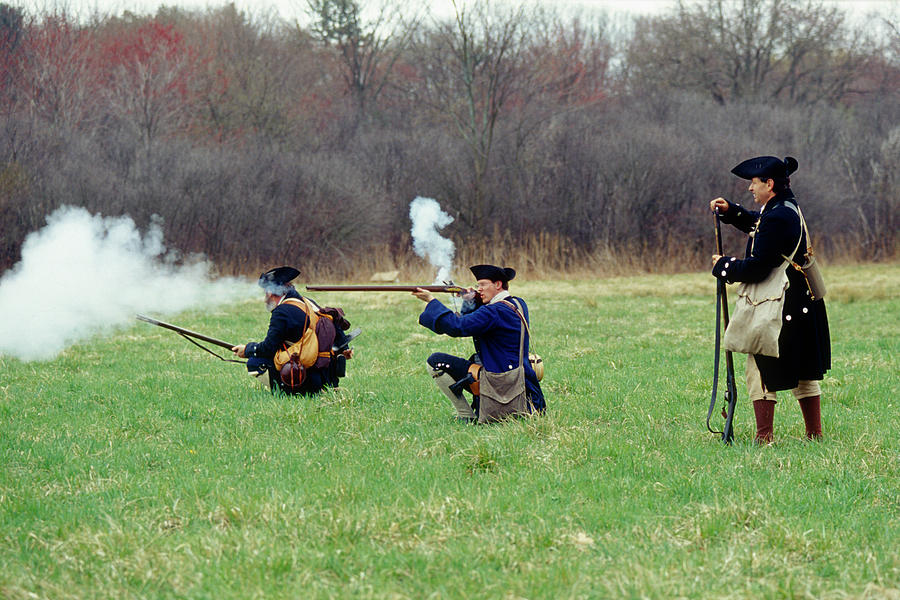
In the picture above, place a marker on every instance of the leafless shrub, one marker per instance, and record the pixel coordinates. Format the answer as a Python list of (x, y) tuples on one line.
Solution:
[(548, 146)]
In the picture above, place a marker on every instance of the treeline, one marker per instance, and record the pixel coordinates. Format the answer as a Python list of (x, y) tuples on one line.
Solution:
[(567, 142)]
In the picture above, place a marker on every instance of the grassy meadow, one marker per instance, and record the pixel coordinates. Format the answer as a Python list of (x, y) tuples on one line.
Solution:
[(137, 466)]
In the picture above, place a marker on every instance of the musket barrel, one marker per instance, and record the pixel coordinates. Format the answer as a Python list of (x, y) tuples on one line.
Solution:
[(186, 332), (451, 289)]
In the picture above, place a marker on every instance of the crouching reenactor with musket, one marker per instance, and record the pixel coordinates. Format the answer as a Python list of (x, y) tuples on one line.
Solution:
[(499, 375), (306, 347)]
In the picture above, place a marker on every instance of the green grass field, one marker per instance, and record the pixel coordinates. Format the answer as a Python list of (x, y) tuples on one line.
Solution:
[(137, 466)]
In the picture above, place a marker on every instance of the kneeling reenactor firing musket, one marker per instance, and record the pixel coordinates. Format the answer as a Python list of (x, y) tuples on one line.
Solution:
[(500, 376), (306, 347)]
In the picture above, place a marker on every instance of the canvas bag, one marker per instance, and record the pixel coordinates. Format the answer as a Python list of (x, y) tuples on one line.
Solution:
[(815, 283), (503, 394), (755, 325)]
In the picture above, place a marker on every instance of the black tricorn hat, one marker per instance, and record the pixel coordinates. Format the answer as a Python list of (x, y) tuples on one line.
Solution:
[(493, 273), (766, 167), (277, 277)]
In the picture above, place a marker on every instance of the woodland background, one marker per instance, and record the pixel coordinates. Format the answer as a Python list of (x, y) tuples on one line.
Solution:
[(557, 142)]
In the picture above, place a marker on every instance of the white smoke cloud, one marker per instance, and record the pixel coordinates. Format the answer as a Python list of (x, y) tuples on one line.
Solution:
[(84, 274), (427, 218)]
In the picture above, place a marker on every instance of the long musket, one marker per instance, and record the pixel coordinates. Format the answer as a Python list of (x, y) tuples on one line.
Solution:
[(191, 335), (450, 289), (730, 386)]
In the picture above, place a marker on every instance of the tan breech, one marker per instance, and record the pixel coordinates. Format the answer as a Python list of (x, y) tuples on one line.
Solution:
[(757, 391)]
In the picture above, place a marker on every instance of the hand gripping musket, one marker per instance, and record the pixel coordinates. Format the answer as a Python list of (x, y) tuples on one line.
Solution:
[(450, 288), (191, 336), (730, 387)]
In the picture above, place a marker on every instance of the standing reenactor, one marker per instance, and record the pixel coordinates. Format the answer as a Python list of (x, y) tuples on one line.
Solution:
[(777, 234)]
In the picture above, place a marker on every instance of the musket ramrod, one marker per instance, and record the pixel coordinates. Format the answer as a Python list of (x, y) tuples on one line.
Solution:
[(191, 336)]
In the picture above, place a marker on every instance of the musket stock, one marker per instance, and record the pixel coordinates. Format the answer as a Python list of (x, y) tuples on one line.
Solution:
[(450, 289)]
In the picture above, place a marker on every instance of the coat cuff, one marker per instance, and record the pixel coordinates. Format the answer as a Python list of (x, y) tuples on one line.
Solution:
[(723, 268), (734, 213)]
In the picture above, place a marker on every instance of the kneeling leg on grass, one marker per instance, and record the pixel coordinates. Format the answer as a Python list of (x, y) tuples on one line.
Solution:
[(447, 370)]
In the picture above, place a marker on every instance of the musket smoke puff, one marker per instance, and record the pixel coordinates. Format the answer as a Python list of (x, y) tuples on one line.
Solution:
[(427, 218), (84, 274)]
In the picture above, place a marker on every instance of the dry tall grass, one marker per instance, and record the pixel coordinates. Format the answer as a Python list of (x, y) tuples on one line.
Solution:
[(547, 256)]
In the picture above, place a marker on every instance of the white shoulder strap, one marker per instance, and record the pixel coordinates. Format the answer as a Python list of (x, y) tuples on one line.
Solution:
[(803, 229)]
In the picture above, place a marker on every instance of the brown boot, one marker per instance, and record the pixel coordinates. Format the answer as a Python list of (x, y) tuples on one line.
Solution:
[(812, 416), (765, 415)]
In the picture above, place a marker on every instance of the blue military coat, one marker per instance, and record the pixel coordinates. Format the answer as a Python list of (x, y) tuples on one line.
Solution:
[(804, 345), (495, 330)]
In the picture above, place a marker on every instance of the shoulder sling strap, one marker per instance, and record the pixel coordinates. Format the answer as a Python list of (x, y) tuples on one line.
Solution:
[(522, 327)]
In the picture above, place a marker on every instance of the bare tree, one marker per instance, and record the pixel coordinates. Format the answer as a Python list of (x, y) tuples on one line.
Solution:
[(149, 82), (468, 70), (60, 79), (368, 48), (255, 74), (796, 50), (882, 218), (11, 30)]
